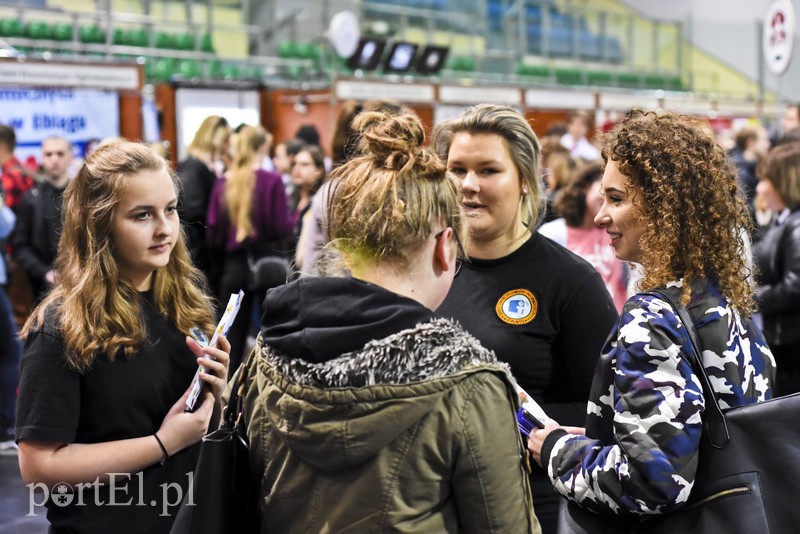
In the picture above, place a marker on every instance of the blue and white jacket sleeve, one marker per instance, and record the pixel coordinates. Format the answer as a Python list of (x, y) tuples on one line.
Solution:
[(645, 462)]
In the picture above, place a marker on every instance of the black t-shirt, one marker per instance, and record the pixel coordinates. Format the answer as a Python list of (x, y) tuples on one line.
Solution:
[(546, 312), (126, 398), (197, 182)]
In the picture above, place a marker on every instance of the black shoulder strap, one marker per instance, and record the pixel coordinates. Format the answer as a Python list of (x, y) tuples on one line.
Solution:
[(234, 411), (714, 419)]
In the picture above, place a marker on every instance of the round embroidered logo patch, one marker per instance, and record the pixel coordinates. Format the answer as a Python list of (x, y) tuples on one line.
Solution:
[(518, 306)]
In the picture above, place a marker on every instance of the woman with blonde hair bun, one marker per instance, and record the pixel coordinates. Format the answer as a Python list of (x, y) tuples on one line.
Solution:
[(363, 411)]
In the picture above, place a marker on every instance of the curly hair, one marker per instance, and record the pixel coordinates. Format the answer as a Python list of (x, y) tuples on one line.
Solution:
[(696, 221), (96, 309), (386, 201), (571, 200)]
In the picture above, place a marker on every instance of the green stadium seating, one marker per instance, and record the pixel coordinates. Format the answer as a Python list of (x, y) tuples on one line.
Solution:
[(62, 31), (207, 43), (569, 76), (120, 37), (287, 49), (655, 81), (230, 71), (37, 29), (461, 63), (307, 51), (628, 79), (214, 69), (138, 37), (184, 41), (164, 40), (188, 68), (12, 28), (599, 77), (538, 71), (163, 68), (91, 34)]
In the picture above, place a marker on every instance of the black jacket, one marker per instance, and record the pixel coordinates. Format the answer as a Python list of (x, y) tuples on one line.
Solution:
[(34, 240), (777, 256), (197, 181)]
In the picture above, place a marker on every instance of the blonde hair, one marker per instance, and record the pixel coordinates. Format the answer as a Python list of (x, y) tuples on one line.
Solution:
[(241, 182), (694, 215), (518, 136), (210, 137), (97, 310), (387, 201)]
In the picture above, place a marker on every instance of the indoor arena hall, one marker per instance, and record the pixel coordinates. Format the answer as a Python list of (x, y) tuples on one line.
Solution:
[(422, 266)]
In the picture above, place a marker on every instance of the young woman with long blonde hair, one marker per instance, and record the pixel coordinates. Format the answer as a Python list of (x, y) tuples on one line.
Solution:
[(108, 358), (248, 217)]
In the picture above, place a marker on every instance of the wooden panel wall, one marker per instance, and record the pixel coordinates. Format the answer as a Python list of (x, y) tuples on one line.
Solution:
[(165, 102), (284, 119), (130, 112)]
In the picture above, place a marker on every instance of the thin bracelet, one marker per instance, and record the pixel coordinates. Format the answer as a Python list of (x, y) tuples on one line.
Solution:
[(163, 449)]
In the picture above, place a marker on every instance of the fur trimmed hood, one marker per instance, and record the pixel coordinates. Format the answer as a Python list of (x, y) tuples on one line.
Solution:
[(339, 412), (430, 350)]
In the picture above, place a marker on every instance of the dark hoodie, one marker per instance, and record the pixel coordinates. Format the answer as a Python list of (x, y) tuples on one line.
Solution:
[(318, 319)]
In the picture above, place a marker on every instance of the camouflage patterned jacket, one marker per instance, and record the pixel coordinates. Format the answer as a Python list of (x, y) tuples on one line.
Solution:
[(643, 428)]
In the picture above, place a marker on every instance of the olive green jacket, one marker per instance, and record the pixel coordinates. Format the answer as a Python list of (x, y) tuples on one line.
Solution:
[(413, 433)]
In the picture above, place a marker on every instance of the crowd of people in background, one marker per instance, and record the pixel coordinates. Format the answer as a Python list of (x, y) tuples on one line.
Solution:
[(373, 202)]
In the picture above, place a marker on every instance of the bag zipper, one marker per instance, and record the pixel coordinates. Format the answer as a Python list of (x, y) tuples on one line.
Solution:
[(739, 490)]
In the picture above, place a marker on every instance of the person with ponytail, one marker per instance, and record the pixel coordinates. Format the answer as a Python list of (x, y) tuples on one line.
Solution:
[(363, 411), (108, 361), (248, 217)]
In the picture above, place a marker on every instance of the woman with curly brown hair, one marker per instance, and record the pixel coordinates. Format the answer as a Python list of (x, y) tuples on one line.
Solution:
[(671, 205)]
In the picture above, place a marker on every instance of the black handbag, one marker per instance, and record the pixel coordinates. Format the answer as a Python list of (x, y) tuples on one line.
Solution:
[(224, 497), (748, 472)]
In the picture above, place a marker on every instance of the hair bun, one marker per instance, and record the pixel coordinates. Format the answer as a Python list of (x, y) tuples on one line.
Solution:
[(391, 141)]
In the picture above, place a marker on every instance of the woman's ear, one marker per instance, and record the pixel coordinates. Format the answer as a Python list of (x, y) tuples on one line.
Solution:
[(443, 253)]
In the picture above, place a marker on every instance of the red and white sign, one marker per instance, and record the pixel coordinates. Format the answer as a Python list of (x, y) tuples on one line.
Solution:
[(779, 27)]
